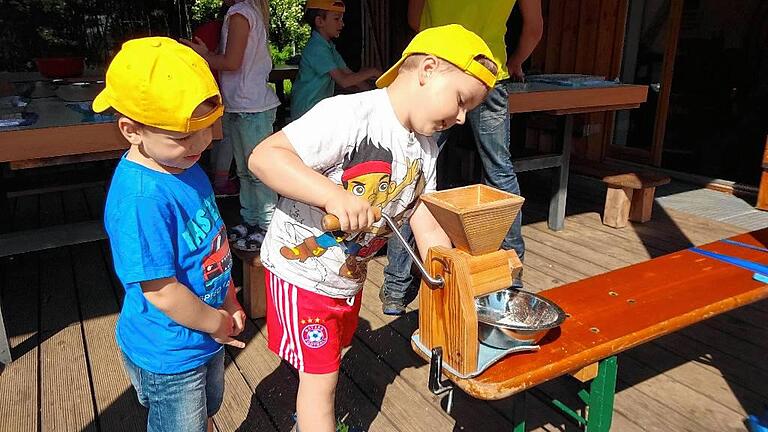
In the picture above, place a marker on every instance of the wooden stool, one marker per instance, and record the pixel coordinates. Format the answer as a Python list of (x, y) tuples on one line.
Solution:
[(630, 197), (254, 290)]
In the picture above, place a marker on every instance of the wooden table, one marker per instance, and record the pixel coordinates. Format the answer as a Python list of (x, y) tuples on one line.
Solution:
[(565, 102)]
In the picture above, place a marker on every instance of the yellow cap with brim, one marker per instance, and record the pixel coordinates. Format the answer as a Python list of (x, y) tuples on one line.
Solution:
[(329, 5), (452, 43), (159, 82)]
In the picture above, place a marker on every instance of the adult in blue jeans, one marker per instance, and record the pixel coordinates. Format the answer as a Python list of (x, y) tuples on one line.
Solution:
[(489, 121)]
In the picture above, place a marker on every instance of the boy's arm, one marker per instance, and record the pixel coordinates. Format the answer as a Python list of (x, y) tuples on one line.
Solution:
[(415, 8), (184, 307), (427, 231), (345, 78), (533, 27), (277, 164), (237, 40)]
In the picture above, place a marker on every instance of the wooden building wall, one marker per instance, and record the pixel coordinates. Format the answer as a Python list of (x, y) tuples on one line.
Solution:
[(582, 36)]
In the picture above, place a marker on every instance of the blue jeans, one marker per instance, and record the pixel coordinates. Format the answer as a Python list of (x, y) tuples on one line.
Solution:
[(490, 125), (179, 402), (244, 131)]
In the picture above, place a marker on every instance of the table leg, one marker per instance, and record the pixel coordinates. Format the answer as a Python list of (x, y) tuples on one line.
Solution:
[(556, 219), (601, 394), (5, 348)]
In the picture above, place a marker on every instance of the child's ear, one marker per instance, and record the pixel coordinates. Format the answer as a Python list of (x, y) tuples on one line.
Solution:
[(130, 130), (427, 67)]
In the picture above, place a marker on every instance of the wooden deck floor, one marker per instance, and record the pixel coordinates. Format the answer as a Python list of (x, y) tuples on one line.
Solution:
[(61, 305)]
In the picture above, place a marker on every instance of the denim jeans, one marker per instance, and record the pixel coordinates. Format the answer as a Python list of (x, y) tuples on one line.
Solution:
[(490, 125), (244, 131), (183, 401)]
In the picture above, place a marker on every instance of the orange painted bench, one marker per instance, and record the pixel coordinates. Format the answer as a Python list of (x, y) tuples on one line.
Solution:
[(621, 309)]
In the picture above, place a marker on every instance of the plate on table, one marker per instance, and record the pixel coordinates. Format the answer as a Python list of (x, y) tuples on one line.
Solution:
[(79, 91)]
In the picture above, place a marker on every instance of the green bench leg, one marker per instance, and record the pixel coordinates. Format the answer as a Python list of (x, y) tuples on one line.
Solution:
[(599, 399), (601, 392)]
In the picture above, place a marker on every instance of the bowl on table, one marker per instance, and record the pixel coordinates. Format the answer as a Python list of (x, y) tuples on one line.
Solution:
[(512, 317), (60, 67)]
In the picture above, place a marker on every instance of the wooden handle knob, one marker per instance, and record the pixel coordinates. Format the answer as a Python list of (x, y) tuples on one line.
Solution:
[(331, 222)]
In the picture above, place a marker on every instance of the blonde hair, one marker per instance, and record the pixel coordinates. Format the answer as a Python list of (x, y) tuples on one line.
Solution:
[(263, 7)]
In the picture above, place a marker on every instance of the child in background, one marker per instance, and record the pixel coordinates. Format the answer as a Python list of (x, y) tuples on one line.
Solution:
[(221, 150), (346, 156), (167, 237), (249, 108), (321, 65)]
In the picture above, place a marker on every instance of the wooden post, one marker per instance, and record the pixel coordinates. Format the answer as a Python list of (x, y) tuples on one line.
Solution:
[(254, 289), (642, 205), (617, 205), (762, 195)]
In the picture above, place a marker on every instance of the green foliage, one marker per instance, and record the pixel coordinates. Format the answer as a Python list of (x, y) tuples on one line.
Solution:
[(286, 27), (204, 11)]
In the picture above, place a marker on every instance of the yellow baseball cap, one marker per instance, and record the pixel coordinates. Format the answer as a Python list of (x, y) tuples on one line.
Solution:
[(159, 82), (453, 43), (329, 5)]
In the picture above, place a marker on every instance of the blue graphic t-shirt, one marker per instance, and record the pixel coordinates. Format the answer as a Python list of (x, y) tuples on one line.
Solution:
[(164, 225)]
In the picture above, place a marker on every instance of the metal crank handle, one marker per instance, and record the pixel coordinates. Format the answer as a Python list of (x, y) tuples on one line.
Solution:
[(331, 223)]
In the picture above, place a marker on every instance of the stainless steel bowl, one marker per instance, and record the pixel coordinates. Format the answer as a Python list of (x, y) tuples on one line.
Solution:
[(511, 317)]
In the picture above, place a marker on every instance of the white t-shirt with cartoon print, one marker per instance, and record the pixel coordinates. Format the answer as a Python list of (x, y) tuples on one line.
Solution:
[(358, 143)]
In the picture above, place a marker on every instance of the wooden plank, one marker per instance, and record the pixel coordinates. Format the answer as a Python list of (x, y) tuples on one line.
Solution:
[(554, 23), (66, 401), (694, 407), (19, 385), (60, 141), (116, 404), (599, 98), (667, 69), (656, 361), (240, 409), (721, 359), (586, 39), (568, 36)]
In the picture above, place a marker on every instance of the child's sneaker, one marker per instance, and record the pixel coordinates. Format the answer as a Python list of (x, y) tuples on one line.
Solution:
[(241, 231), (251, 242)]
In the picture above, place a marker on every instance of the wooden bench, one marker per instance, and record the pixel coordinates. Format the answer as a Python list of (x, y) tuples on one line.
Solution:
[(254, 290), (618, 310), (630, 197)]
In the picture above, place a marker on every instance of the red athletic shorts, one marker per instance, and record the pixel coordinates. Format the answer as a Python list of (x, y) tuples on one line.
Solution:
[(306, 329)]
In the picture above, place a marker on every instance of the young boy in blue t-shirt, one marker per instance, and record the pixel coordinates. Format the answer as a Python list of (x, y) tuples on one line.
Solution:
[(321, 66), (168, 241)]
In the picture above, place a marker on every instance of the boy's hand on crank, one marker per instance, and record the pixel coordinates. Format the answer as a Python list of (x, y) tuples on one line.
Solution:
[(354, 213)]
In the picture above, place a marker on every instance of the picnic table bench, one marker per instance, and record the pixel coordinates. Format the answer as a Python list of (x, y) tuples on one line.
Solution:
[(621, 309)]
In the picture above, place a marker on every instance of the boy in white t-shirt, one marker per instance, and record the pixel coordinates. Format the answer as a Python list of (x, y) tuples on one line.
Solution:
[(346, 156)]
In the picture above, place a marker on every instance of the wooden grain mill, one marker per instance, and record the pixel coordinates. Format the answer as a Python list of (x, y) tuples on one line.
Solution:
[(476, 218)]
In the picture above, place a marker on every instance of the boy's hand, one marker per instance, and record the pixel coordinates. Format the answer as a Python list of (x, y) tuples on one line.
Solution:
[(238, 321), (354, 213), (223, 333)]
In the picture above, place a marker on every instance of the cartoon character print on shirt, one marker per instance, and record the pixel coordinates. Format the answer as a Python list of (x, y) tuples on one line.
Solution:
[(367, 171)]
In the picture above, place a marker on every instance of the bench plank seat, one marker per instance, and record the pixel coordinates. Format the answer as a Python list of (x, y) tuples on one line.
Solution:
[(618, 310)]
